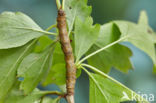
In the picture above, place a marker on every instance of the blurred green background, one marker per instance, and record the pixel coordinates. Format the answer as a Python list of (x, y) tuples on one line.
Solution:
[(141, 78)]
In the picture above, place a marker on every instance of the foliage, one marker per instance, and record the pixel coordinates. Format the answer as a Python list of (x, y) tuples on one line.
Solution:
[(29, 57)]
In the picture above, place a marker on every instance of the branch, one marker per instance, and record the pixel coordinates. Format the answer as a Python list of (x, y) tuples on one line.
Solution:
[(53, 93)]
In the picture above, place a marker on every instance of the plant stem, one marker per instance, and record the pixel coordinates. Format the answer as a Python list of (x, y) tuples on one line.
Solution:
[(53, 93), (69, 57), (101, 73), (100, 50), (50, 27), (59, 94), (63, 3), (58, 4)]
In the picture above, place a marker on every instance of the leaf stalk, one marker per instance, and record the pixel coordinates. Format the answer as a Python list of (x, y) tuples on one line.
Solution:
[(100, 50), (51, 27), (58, 4)]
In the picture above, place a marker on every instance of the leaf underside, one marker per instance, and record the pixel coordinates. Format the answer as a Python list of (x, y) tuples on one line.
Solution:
[(39, 64), (85, 36), (140, 35), (74, 9), (103, 90), (16, 29), (10, 60), (117, 56), (17, 96)]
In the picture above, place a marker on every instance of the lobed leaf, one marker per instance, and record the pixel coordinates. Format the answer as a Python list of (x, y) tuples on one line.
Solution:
[(10, 59), (16, 29), (140, 35), (57, 75), (33, 68), (74, 9), (117, 56), (104, 90), (85, 36), (58, 58), (42, 43), (17, 96)]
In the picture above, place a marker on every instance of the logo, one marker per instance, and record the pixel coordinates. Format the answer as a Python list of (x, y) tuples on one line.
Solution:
[(125, 97), (138, 97)]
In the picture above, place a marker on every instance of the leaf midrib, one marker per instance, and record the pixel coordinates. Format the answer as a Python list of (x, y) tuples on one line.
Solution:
[(98, 86), (42, 66), (36, 59)]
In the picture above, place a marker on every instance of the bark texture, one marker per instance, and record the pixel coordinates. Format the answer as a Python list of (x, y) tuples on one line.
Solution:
[(69, 58)]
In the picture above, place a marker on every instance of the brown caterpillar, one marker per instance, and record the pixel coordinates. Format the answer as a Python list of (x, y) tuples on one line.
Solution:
[(68, 52)]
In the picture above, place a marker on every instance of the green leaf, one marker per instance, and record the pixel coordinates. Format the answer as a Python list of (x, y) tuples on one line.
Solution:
[(43, 42), (104, 90), (117, 56), (58, 55), (17, 96), (74, 9), (85, 36), (140, 35), (10, 59), (58, 58), (143, 19), (63, 88), (78, 73), (33, 68), (57, 75), (14, 94), (16, 29), (143, 23), (57, 72)]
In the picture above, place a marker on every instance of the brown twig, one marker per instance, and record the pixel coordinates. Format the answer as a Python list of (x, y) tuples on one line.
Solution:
[(55, 93), (59, 94), (69, 58)]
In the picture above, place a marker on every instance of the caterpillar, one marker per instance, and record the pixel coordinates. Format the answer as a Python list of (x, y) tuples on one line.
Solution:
[(68, 52)]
